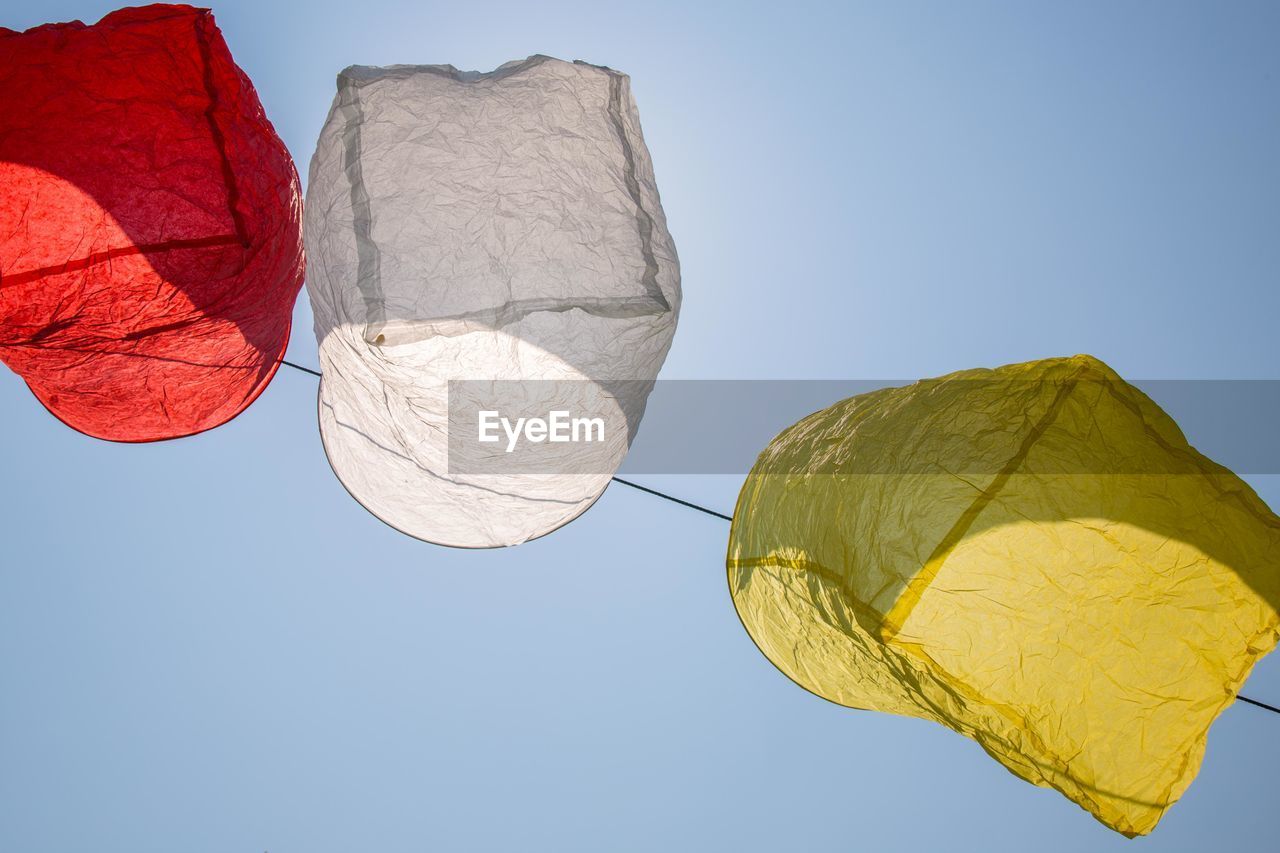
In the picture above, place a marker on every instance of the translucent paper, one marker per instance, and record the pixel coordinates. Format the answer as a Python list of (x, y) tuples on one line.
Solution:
[(1032, 556), (467, 226), (150, 225)]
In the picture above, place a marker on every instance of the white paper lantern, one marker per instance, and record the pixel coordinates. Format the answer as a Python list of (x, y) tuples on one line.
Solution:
[(495, 226)]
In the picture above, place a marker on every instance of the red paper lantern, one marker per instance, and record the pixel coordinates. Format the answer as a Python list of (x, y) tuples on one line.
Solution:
[(150, 248)]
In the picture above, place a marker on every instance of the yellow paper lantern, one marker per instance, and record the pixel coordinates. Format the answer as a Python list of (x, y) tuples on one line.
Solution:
[(1033, 556)]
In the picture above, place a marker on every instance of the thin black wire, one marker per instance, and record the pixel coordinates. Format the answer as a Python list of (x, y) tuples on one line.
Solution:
[(315, 373), (1272, 708), (673, 499)]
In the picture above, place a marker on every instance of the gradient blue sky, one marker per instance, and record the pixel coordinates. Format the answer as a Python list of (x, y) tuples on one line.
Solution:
[(206, 645)]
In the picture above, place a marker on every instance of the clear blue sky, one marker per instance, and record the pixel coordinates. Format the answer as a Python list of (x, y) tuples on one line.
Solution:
[(206, 645)]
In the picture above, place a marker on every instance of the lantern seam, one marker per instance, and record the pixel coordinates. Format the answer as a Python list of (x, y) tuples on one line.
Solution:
[(119, 252), (219, 141)]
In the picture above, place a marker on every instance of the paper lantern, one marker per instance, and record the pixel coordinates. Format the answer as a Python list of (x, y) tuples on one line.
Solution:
[(502, 226), (1032, 556), (150, 245)]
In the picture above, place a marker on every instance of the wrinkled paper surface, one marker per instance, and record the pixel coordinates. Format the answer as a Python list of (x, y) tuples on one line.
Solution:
[(468, 226), (150, 225), (1085, 628)]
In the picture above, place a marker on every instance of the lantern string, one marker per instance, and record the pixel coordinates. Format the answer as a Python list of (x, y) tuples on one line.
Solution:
[(1263, 705), (300, 367), (674, 500)]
